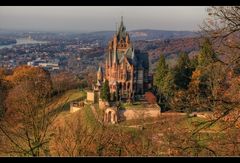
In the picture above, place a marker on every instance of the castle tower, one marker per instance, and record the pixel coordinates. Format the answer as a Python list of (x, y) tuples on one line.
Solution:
[(100, 74), (124, 69)]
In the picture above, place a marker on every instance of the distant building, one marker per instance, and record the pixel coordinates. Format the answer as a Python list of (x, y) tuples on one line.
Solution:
[(44, 64)]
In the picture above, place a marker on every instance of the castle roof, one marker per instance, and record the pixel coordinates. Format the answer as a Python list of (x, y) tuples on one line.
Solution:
[(136, 58), (121, 33), (98, 83), (100, 69)]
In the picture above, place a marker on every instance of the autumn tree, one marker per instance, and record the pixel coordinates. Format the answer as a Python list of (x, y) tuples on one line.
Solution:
[(64, 81), (210, 80), (72, 137), (149, 96), (222, 27), (39, 80), (3, 91), (28, 116)]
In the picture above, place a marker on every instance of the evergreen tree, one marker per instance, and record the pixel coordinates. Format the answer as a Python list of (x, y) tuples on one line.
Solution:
[(168, 85), (207, 54), (182, 72), (194, 62), (105, 91), (163, 80), (161, 72), (167, 90)]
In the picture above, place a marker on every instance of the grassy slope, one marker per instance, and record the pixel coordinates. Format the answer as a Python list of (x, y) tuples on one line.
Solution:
[(62, 102), (87, 117), (61, 106)]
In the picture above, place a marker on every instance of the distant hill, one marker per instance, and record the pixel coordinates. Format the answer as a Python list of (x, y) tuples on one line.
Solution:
[(153, 42), (170, 48), (144, 34), (148, 34)]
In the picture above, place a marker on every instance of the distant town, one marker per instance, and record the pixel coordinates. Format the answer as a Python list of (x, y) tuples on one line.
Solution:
[(52, 54)]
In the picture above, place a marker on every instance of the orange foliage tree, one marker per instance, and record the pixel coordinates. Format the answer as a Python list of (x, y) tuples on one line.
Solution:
[(149, 96), (27, 118)]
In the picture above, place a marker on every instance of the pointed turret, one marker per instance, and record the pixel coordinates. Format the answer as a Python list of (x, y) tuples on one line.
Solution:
[(100, 74), (121, 34), (122, 20)]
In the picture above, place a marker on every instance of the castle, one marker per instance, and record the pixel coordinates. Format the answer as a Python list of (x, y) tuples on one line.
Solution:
[(126, 69), (127, 72)]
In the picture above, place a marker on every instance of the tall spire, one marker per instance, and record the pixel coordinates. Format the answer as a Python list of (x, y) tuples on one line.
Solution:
[(100, 74), (121, 30), (100, 69), (121, 24)]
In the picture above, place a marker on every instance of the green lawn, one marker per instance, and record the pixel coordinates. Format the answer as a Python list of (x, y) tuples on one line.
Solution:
[(89, 117)]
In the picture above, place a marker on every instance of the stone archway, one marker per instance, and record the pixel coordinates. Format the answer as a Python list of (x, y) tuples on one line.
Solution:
[(110, 115)]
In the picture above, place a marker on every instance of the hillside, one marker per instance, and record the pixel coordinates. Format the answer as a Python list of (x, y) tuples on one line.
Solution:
[(79, 134), (171, 48), (148, 34)]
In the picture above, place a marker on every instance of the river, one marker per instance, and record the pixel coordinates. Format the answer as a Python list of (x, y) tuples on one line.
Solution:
[(22, 41)]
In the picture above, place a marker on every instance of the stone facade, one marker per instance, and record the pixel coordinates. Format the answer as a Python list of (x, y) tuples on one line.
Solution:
[(91, 96), (125, 68)]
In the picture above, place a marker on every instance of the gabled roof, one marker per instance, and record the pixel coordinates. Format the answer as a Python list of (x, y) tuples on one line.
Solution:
[(129, 52)]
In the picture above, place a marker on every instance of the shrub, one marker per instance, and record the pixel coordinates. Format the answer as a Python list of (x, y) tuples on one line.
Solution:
[(150, 97)]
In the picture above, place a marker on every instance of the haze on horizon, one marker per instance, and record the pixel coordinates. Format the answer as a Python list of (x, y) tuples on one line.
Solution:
[(100, 18)]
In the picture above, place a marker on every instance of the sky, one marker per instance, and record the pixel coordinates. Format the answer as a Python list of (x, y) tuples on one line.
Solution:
[(101, 18)]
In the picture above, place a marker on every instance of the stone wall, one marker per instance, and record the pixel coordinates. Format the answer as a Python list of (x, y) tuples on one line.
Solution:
[(74, 109), (75, 106), (135, 113), (90, 96)]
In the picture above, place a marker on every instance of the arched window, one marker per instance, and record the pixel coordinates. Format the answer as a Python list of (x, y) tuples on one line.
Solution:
[(124, 86), (109, 116), (128, 85)]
